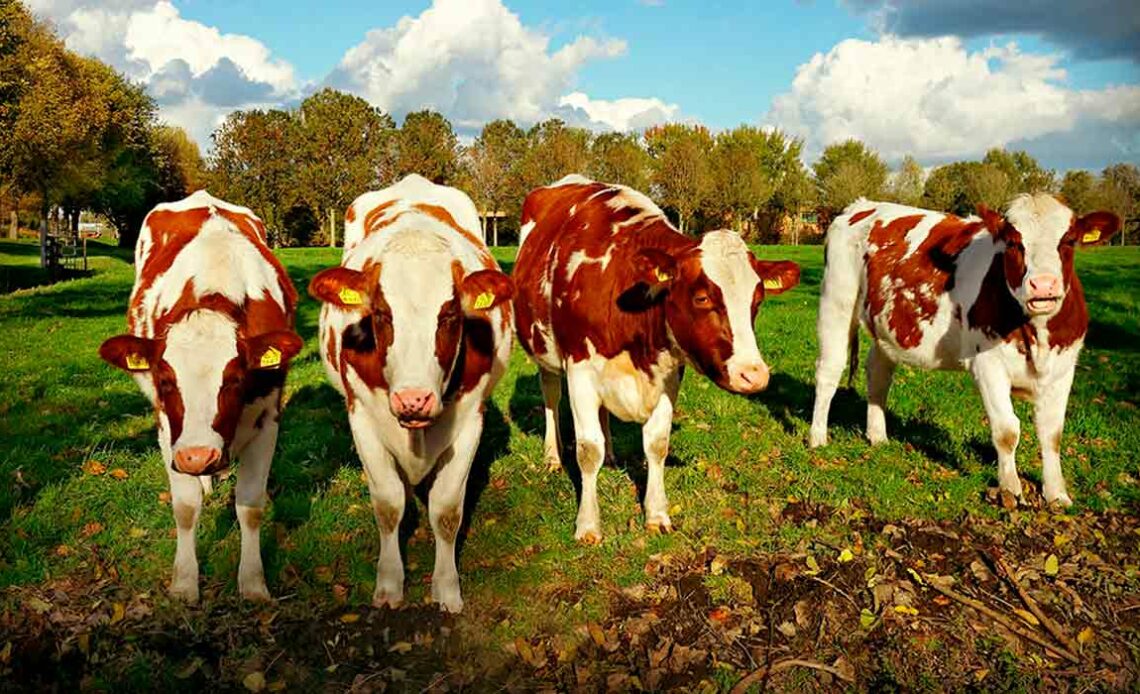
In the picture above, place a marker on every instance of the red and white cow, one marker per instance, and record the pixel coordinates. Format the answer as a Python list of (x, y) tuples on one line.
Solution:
[(995, 296), (609, 292), (415, 332), (210, 336)]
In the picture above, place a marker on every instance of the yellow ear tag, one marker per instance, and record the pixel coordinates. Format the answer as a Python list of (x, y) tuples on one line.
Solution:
[(137, 362), (773, 283), (1091, 236), (484, 300), (661, 275), (349, 297), (270, 358)]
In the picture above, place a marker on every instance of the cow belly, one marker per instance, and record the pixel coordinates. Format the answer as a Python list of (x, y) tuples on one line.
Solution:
[(940, 346), (627, 392)]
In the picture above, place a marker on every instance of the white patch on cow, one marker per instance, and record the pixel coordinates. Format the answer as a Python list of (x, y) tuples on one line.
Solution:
[(918, 234), (571, 180), (629, 393), (726, 262), (199, 199), (573, 209), (404, 194), (1042, 221), (578, 258), (198, 347), (524, 231)]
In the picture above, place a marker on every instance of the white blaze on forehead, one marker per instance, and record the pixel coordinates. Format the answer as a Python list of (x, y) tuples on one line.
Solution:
[(198, 347), (728, 265), (1042, 221)]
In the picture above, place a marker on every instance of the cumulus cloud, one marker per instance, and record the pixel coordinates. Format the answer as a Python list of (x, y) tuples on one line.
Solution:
[(472, 60), (196, 73), (935, 99), (1089, 28), (626, 114)]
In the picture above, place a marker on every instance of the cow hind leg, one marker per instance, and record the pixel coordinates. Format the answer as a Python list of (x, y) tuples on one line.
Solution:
[(250, 499), (584, 404), (604, 418), (186, 501), (837, 329), (880, 371), (655, 439), (551, 384)]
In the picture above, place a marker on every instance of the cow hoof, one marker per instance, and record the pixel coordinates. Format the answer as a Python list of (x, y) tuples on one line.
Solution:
[(817, 438), (256, 593), (1061, 499), (553, 464), (659, 526), (186, 593), (387, 598), (588, 537), (451, 605), (875, 438)]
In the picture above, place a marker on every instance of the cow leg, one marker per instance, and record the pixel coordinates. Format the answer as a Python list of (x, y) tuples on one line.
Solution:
[(655, 439), (880, 371), (604, 418), (250, 498), (551, 384), (836, 330), (1049, 415), (584, 404), (186, 500), (388, 493), (445, 510), (1005, 428)]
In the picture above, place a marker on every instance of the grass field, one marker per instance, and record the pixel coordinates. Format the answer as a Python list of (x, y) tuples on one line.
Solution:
[(86, 534)]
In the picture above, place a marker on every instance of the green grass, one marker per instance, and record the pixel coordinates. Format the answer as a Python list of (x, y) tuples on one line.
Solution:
[(735, 461)]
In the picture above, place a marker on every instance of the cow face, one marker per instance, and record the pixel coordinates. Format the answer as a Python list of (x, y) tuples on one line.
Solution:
[(412, 316), (1040, 235), (713, 294), (197, 376)]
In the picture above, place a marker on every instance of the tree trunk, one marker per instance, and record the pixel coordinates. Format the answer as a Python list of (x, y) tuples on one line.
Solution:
[(45, 211), (332, 227), (495, 229), (13, 225)]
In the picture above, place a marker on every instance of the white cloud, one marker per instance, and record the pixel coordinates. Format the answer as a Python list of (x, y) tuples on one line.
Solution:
[(472, 60), (197, 73), (627, 114), (936, 100)]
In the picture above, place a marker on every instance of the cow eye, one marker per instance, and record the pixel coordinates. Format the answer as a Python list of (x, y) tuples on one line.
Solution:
[(702, 301)]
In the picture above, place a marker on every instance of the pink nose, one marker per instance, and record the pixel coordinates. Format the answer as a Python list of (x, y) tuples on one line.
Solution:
[(413, 403), (195, 460), (750, 378), (1044, 287)]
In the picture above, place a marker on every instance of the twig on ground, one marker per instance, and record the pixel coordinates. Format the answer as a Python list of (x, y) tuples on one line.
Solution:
[(762, 672), (1048, 623), (1005, 621), (837, 589)]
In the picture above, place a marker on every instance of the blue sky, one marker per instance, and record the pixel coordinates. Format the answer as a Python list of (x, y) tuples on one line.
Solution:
[(907, 79)]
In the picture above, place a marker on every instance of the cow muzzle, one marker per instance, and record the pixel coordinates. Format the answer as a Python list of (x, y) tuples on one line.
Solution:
[(198, 460), (748, 378), (414, 408), (1044, 294)]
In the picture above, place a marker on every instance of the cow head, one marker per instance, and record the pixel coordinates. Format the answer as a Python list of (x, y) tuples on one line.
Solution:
[(412, 313), (712, 295), (1040, 235), (197, 375)]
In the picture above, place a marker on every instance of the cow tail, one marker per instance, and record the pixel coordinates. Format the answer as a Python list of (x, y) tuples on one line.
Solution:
[(852, 353)]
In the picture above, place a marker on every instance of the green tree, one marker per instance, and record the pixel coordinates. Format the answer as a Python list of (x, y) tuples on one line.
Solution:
[(1119, 192), (1079, 190), (255, 162), (554, 150), (741, 181), (344, 148), (619, 158), (682, 169), (906, 185), (849, 170), (428, 147), (490, 171), (1023, 173)]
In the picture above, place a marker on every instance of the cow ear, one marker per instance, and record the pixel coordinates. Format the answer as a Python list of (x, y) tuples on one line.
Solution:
[(778, 276), (272, 350), (655, 268), (483, 290), (993, 220), (1096, 228), (129, 352), (341, 287)]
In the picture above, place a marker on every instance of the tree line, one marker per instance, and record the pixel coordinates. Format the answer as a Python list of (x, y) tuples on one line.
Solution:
[(81, 137)]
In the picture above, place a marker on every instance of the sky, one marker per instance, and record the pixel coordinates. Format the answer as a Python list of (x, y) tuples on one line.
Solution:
[(941, 80)]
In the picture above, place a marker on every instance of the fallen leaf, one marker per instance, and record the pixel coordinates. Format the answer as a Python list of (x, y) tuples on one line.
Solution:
[(1060, 540), (119, 473), (118, 611), (91, 529), (38, 605), (716, 568), (845, 556), (189, 669), (1027, 616), (400, 647), (787, 629), (136, 533), (349, 617), (164, 497), (94, 467), (596, 634), (1086, 635), (276, 686), (254, 681), (720, 614), (812, 564), (6, 653), (866, 618), (1051, 565), (906, 609), (980, 675)]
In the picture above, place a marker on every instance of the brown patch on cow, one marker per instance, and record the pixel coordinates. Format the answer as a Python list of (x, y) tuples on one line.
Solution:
[(589, 457), (169, 397), (915, 281), (373, 219), (253, 516), (387, 517), (659, 448), (169, 232), (1022, 393), (442, 215), (350, 213), (860, 216), (1055, 441), (1006, 441), (476, 357), (995, 312), (448, 332), (1070, 324), (448, 524), (231, 399), (184, 516)]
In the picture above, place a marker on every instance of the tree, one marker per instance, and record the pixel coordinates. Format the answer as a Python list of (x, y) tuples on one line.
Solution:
[(428, 147), (619, 158), (682, 171), (1119, 191), (1023, 173), (254, 163), (741, 182), (906, 185), (1079, 190), (179, 160), (344, 148), (849, 170), (554, 150)]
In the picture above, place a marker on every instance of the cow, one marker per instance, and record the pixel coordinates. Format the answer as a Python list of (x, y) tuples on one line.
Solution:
[(993, 295), (209, 339), (415, 332), (610, 294)]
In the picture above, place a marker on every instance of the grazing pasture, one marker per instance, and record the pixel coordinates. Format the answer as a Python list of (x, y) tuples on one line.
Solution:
[(837, 557)]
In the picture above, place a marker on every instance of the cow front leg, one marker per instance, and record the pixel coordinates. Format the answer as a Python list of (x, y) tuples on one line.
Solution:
[(250, 499), (1049, 415), (186, 501), (445, 510), (551, 384), (388, 493), (584, 404), (880, 371), (1005, 429), (655, 440)]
